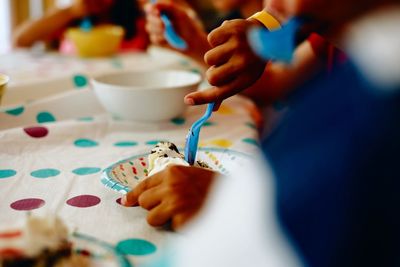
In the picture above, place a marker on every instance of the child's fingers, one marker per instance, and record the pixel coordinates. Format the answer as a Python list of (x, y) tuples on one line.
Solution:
[(179, 220), (160, 215), (214, 94), (154, 26), (218, 94), (153, 16), (159, 40), (131, 198), (219, 35), (220, 54), (149, 8), (156, 34), (170, 8), (217, 105), (150, 198), (202, 97), (223, 74), (218, 76)]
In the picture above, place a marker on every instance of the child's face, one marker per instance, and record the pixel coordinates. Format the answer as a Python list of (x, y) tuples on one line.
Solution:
[(227, 5)]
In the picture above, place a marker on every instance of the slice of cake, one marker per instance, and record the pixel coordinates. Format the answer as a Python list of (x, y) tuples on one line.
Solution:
[(165, 154), (39, 241)]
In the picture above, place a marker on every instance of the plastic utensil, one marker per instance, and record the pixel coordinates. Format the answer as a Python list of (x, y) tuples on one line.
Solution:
[(170, 34), (86, 25), (277, 45), (192, 139)]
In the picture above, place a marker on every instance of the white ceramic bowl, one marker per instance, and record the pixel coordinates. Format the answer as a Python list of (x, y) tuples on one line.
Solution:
[(151, 96)]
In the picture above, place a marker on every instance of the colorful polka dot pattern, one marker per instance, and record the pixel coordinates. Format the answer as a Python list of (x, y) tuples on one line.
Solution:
[(184, 62), (83, 201), (196, 71), (27, 204), (85, 143), (119, 202), (216, 162), (178, 121), (117, 63), (7, 173), (16, 111), (251, 125), (45, 173), (224, 143), (126, 144), (80, 81), (136, 247), (36, 132), (86, 119), (86, 170), (208, 123), (250, 141), (44, 117), (225, 110), (153, 142)]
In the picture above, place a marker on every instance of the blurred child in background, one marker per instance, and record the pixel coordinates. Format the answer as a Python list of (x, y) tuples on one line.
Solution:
[(53, 25)]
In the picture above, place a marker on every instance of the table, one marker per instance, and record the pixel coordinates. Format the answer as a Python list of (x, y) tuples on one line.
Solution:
[(55, 139)]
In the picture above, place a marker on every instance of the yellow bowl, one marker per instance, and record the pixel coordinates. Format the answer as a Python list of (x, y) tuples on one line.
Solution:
[(3, 83), (101, 41)]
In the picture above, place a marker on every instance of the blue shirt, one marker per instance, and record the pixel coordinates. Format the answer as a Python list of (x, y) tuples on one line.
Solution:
[(336, 157)]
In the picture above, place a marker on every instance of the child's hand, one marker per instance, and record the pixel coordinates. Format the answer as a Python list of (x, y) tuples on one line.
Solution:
[(234, 66), (175, 194), (82, 8), (185, 22)]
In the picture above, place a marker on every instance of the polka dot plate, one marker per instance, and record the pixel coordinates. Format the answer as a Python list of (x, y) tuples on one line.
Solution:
[(124, 175)]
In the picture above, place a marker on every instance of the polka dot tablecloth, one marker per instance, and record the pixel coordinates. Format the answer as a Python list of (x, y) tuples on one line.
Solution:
[(53, 150), (52, 73)]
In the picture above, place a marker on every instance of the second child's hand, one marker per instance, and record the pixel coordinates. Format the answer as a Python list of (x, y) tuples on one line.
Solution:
[(233, 65)]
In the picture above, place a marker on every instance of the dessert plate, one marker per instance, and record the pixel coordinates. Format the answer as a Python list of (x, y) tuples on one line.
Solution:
[(124, 175)]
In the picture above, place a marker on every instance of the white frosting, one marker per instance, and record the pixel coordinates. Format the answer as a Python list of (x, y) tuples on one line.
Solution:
[(161, 163), (163, 155)]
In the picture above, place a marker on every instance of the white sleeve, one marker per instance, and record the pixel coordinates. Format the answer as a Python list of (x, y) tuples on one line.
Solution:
[(238, 227)]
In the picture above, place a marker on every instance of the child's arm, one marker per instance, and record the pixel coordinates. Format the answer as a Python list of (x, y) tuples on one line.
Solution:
[(175, 194), (41, 29), (56, 20)]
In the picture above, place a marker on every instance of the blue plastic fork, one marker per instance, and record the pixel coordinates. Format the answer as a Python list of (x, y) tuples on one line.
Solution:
[(192, 139), (170, 34), (86, 25)]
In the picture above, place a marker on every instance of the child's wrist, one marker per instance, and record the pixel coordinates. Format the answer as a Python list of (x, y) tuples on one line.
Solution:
[(263, 18)]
